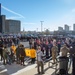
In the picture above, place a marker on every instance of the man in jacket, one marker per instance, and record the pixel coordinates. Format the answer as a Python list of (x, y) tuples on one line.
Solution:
[(40, 60), (22, 54)]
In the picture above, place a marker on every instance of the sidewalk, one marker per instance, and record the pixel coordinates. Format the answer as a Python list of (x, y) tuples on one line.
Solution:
[(29, 69), (16, 69), (47, 70)]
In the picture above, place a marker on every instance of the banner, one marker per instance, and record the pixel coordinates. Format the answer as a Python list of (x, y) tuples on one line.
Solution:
[(30, 52)]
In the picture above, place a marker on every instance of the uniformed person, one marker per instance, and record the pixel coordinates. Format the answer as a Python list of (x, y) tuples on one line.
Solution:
[(54, 51)]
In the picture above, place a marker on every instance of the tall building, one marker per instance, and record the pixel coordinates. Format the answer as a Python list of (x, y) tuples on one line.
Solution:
[(2, 23), (60, 28), (66, 27), (73, 27), (13, 26), (0, 8)]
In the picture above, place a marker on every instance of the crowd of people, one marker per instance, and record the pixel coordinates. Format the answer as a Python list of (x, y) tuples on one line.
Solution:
[(50, 47), (44, 46)]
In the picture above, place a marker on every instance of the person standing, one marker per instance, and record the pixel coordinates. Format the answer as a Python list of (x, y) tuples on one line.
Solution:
[(30, 43), (33, 55), (54, 51), (72, 53), (12, 49), (1, 50), (5, 51), (59, 46), (64, 50), (22, 54), (18, 54), (40, 60), (64, 59)]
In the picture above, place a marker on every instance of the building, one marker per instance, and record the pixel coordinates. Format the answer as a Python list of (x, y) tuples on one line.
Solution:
[(60, 28), (9, 26), (12, 26), (73, 27), (0, 8), (2, 23), (66, 27)]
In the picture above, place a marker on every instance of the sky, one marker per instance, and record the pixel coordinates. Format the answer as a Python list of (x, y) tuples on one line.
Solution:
[(53, 13)]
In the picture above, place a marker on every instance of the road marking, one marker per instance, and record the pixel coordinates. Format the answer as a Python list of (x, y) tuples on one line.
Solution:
[(2, 66), (24, 69), (5, 70)]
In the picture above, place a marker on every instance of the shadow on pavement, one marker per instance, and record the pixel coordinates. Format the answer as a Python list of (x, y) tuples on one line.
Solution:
[(13, 68)]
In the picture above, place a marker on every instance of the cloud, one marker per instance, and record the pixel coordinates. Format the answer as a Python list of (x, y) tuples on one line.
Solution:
[(13, 17), (12, 12)]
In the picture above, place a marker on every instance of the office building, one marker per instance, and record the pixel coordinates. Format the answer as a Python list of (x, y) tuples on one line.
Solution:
[(73, 27), (0, 8), (2, 23), (60, 28), (13, 26), (66, 27)]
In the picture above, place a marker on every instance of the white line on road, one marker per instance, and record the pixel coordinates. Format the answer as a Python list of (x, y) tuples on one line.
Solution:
[(5, 70), (23, 70)]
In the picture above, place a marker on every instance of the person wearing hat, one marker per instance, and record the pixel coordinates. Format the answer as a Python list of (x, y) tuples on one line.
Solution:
[(40, 60)]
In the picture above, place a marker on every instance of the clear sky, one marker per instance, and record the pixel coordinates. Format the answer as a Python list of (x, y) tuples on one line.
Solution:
[(54, 13)]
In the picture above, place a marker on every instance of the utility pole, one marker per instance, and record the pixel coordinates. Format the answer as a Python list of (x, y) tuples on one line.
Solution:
[(41, 25)]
